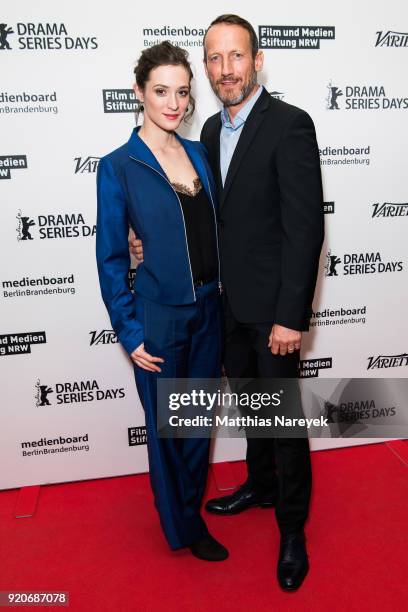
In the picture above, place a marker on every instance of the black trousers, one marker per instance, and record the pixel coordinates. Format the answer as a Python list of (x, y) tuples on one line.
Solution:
[(277, 465)]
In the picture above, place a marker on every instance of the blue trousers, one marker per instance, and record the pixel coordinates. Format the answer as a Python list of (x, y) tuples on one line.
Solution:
[(188, 338)]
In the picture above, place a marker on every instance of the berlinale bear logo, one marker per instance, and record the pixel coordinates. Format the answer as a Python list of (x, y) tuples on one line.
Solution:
[(4, 32), (334, 93)]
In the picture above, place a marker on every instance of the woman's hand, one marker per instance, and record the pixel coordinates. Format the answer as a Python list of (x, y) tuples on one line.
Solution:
[(144, 360), (136, 247)]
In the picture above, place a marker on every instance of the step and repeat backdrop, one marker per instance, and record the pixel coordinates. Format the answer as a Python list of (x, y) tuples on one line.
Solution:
[(69, 408)]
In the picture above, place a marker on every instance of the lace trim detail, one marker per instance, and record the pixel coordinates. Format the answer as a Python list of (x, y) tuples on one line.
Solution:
[(181, 188)]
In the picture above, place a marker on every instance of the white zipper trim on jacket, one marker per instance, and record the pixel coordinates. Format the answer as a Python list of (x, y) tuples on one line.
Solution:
[(182, 215), (216, 234)]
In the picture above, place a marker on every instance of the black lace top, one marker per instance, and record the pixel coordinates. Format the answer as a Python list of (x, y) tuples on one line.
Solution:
[(200, 229)]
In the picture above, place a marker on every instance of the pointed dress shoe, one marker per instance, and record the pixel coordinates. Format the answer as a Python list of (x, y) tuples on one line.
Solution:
[(293, 563), (208, 549), (245, 497)]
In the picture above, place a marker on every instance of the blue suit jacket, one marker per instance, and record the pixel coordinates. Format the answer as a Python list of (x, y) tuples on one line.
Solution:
[(133, 189)]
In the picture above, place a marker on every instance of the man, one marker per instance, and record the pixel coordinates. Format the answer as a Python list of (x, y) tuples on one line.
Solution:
[(266, 163)]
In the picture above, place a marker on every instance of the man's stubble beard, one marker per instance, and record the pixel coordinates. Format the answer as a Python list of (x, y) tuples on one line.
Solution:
[(244, 93)]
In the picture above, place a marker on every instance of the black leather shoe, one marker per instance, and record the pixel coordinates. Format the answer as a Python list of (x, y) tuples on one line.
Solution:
[(245, 497), (209, 549), (293, 563)]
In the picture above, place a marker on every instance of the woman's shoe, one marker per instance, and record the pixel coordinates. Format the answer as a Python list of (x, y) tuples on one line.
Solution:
[(209, 549)]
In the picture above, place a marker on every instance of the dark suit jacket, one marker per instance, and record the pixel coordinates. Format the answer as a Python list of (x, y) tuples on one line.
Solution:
[(271, 223)]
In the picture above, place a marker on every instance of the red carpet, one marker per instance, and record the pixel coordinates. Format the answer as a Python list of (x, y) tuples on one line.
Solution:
[(100, 540)]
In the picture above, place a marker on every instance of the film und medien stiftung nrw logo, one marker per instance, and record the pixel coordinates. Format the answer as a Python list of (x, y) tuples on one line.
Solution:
[(20, 343), (86, 165), (120, 101), (390, 38), (362, 97), (44, 36), (11, 162), (359, 263), (56, 226), (389, 209), (137, 436), (309, 368), (73, 392), (293, 37)]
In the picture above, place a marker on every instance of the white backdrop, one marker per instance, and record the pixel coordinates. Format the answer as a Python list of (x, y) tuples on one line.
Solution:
[(68, 387)]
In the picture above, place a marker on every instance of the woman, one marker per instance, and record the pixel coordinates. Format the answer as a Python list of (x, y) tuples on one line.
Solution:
[(161, 185)]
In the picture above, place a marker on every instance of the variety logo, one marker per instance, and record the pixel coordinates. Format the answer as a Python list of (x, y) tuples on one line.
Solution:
[(120, 101), (12, 103), (68, 225), (49, 446), (44, 285), (339, 316), (362, 97), (17, 344), (293, 37), (44, 36), (182, 36), (86, 165), (387, 361), (106, 336), (390, 38), (328, 208), (360, 263), (74, 392), (11, 162), (137, 436), (309, 368), (343, 156), (388, 209)]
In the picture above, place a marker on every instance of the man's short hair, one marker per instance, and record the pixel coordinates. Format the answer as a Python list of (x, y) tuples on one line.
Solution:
[(231, 19)]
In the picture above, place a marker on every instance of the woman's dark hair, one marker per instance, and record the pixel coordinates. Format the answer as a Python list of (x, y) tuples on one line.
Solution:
[(163, 54), (230, 19)]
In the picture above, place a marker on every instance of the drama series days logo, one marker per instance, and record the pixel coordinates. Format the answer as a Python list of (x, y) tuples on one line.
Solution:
[(345, 155), (309, 368), (105, 336), (359, 263), (137, 436), (60, 444), (338, 316), (389, 209), (294, 37), (74, 392), (44, 36), (355, 411), (387, 361), (11, 162), (20, 343), (390, 38), (120, 101), (181, 35), (24, 102), (362, 97), (42, 285), (56, 226), (86, 165)]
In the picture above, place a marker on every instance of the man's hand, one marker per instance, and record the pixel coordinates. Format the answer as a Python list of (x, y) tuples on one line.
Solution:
[(283, 340), (136, 247), (144, 360)]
